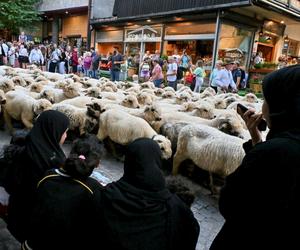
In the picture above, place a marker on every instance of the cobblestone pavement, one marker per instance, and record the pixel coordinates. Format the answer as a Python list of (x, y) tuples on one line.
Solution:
[(204, 208)]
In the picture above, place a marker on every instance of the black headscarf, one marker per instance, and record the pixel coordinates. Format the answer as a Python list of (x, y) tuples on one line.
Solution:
[(281, 90), (42, 142), (135, 206), (142, 175)]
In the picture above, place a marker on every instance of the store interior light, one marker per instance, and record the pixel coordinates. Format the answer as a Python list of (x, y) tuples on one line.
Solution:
[(282, 22), (261, 32), (149, 20), (286, 38), (67, 12)]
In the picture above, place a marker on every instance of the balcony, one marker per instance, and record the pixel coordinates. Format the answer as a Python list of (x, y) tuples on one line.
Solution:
[(54, 5)]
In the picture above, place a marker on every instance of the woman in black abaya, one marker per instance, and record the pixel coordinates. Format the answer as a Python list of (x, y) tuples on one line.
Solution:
[(139, 212), (42, 151)]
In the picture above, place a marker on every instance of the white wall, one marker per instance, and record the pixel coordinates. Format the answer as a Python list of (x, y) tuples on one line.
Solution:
[(50, 5), (102, 8)]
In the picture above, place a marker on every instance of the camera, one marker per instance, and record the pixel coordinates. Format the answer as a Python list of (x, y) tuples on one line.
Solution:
[(241, 109)]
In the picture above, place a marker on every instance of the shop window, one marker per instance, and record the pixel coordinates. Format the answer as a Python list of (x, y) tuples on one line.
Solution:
[(190, 28), (234, 44)]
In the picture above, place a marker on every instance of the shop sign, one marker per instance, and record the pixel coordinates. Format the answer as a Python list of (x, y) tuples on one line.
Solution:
[(143, 34), (234, 54)]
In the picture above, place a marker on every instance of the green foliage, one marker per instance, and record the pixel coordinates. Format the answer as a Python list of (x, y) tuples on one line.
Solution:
[(18, 13)]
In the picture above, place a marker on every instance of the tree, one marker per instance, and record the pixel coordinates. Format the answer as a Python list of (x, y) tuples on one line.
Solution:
[(15, 14)]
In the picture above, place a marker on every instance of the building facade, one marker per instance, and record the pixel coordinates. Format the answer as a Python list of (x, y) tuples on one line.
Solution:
[(64, 21), (210, 30)]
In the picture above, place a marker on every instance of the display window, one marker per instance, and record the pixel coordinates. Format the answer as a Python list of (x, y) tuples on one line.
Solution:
[(234, 44)]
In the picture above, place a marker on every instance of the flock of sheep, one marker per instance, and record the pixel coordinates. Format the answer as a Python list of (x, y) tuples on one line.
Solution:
[(203, 127)]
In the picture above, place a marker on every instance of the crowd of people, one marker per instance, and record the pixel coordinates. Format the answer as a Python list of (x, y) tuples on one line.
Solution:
[(50, 57), (53, 203)]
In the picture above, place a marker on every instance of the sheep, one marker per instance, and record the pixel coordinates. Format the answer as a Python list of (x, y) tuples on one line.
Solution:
[(145, 98), (93, 92), (226, 122), (36, 87), (209, 149), (147, 85), (171, 131), (130, 101), (2, 99), (6, 84), (159, 92), (68, 91), (78, 118), (17, 80), (250, 97), (124, 128), (23, 108)]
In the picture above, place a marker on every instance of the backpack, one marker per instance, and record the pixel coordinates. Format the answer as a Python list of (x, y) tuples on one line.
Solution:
[(243, 79)]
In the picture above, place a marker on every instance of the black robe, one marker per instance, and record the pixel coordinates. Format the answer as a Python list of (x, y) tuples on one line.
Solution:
[(41, 152), (138, 211), (261, 199), (65, 214)]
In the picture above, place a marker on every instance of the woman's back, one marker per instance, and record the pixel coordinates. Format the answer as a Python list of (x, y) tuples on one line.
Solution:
[(65, 209), (139, 212)]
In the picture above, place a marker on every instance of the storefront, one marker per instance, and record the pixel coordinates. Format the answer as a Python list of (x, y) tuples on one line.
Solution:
[(196, 38), (107, 40), (235, 43)]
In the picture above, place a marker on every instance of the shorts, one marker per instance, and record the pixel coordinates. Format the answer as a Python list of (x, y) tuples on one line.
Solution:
[(23, 59)]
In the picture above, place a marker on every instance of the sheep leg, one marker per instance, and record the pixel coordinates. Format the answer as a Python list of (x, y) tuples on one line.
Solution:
[(7, 120), (212, 187), (178, 158), (28, 124)]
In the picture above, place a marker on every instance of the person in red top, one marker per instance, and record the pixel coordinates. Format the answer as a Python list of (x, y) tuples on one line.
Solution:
[(74, 59)]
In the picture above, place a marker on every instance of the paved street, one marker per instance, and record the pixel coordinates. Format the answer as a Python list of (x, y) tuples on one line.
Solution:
[(204, 208)]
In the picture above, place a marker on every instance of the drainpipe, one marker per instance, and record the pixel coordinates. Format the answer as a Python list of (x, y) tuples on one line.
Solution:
[(88, 25)]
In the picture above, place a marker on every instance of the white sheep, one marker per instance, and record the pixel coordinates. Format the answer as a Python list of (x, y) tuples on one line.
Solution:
[(209, 149), (123, 128), (22, 107)]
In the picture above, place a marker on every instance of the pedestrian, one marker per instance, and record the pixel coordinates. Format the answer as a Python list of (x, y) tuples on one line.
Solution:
[(96, 59), (224, 79), (87, 62), (199, 74), (3, 52), (117, 60), (36, 57), (172, 72), (139, 212), (42, 151), (213, 75), (12, 55), (54, 59), (23, 38), (145, 69), (261, 199), (66, 203), (23, 56), (185, 61), (157, 75), (74, 60), (238, 75)]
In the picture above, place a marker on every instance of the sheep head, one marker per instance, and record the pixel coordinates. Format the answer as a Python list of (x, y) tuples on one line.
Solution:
[(164, 145), (152, 113), (41, 105)]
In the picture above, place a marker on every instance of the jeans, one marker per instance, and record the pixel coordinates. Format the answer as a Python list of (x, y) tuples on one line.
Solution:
[(157, 82), (115, 75), (173, 85), (95, 74)]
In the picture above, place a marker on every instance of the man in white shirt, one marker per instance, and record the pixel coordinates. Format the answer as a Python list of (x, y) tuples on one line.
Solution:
[(36, 56), (172, 72), (224, 78)]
